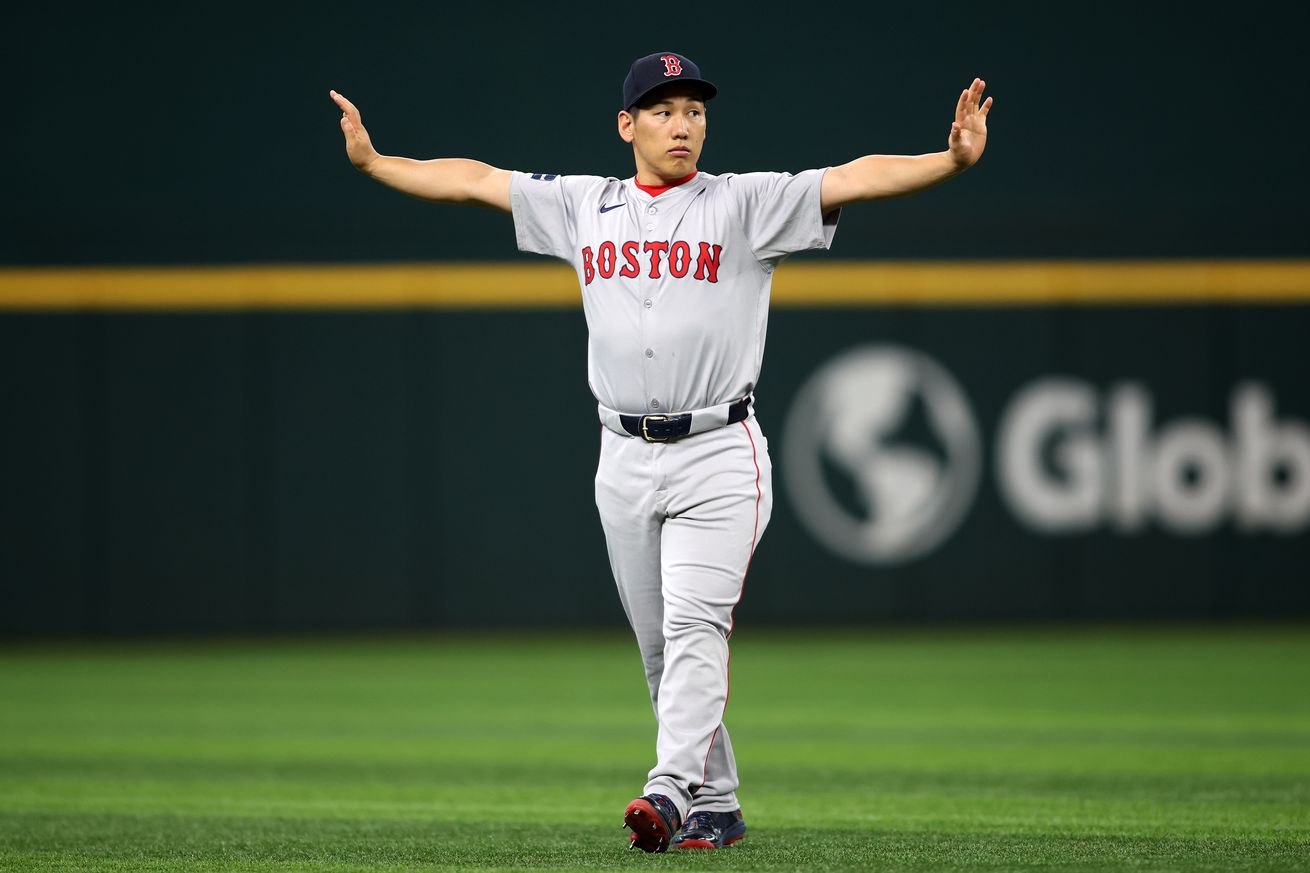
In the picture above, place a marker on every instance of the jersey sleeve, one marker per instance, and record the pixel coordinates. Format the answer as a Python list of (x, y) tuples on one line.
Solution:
[(781, 214), (545, 212)]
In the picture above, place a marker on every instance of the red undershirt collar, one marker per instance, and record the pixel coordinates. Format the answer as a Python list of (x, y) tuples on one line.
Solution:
[(657, 190)]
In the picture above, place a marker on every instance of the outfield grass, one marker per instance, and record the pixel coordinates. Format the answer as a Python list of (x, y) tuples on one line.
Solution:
[(998, 750)]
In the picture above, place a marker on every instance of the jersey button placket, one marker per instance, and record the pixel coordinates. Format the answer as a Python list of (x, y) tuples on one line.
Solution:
[(650, 287)]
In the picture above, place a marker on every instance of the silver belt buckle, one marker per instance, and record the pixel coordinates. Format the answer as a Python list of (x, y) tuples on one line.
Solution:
[(645, 434)]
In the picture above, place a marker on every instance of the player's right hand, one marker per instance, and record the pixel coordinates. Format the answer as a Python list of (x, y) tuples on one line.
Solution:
[(359, 148)]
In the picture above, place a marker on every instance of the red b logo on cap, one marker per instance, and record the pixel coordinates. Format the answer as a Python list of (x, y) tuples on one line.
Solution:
[(672, 66)]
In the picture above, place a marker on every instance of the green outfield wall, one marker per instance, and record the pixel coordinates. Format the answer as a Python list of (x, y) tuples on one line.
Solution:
[(204, 134), (1077, 441), (243, 387)]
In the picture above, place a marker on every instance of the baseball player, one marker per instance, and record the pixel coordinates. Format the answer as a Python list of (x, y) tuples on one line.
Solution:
[(675, 267)]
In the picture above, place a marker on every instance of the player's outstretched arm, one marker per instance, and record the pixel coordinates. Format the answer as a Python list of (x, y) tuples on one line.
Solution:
[(874, 177), (448, 180)]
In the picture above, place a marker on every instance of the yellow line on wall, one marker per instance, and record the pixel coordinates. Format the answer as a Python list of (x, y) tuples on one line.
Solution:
[(392, 286), (988, 283), (551, 285)]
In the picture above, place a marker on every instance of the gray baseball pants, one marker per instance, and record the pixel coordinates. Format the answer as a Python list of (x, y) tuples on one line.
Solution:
[(681, 521)]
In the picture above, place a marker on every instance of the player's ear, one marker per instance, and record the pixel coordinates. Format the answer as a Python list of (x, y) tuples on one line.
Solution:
[(626, 122)]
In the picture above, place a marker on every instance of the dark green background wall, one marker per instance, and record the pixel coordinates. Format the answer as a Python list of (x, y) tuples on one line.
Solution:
[(204, 134), (296, 470)]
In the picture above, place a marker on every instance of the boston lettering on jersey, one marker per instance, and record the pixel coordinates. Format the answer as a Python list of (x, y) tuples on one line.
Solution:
[(626, 259)]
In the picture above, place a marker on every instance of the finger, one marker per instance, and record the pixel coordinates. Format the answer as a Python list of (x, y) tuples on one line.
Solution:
[(986, 107), (962, 105), (345, 105)]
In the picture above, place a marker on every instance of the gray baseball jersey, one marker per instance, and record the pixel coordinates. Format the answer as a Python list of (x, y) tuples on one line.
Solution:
[(675, 287)]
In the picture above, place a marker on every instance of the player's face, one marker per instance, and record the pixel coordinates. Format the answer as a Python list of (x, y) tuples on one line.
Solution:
[(667, 134)]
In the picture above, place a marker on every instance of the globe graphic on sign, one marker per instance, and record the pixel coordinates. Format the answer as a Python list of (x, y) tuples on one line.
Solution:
[(881, 455)]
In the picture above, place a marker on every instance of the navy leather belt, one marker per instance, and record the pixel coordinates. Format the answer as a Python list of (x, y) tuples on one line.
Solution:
[(663, 428)]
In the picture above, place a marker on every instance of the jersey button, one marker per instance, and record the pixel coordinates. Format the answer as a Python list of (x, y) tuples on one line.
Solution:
[(650, 353), (652, 211), (654, 404), (648, 303), (650, 226)]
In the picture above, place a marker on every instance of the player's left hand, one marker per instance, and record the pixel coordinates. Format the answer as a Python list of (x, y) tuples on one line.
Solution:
[(969, 130)]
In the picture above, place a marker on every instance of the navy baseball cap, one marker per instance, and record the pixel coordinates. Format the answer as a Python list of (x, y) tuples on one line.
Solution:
[(661, 68)]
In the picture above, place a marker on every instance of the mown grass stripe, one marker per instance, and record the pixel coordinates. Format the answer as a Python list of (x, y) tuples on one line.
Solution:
[(1082, 749)]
